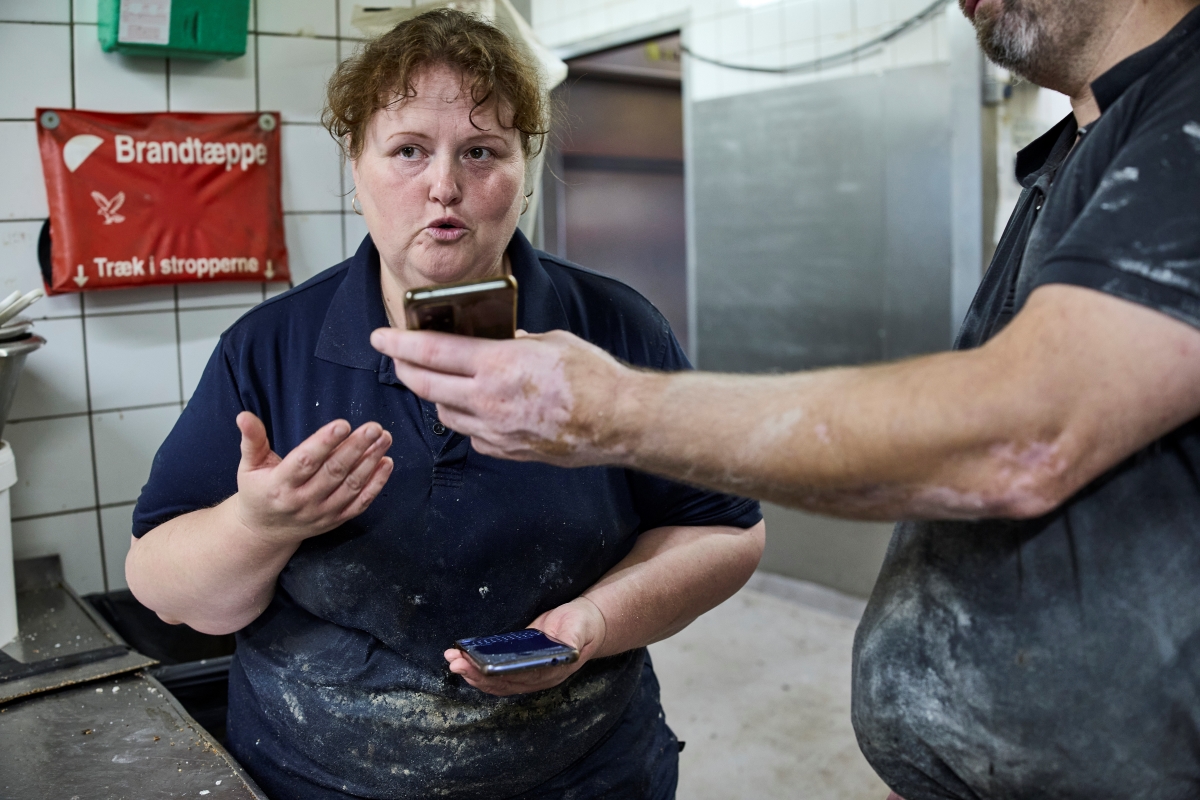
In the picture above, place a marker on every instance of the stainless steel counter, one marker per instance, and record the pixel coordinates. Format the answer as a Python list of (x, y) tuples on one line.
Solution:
[(79, 718)]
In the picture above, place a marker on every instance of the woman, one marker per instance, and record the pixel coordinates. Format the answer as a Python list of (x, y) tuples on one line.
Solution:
[(349, 565)]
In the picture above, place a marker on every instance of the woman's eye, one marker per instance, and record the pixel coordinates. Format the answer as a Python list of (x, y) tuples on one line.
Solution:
[(407, 152), (478, 153)]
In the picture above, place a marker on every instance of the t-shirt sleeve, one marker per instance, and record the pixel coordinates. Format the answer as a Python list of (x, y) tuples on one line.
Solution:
[(196, 466), (661, 502), (1138, 237)]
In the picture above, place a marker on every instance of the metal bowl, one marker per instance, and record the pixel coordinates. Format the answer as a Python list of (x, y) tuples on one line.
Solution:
[(12, 360)]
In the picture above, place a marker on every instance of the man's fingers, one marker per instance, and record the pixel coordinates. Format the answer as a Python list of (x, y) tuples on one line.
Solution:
[(256, 450), (437, 387), (310, 455), (443, 352)]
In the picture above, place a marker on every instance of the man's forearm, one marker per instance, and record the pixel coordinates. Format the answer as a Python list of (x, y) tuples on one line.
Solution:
[(672, 576), (1076, 382), (204, 569), (902, 440)]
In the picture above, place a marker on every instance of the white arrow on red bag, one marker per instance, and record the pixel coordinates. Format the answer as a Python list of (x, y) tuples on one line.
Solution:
[(270, 273), (80, 279)]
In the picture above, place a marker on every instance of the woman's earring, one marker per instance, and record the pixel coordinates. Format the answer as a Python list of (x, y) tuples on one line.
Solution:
[(354, 204), (526, 206)]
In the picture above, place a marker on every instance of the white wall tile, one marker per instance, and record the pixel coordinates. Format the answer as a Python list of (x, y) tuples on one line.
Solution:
[(345, 29), (356, 231), (873, 15), (139, 298), (19, 271), (704, 36), (199, 332), (54, 465), (229, 293), (214, 86), (311, 169), (53, 381), (132, 360), (277, 288), (116, 523), (72, 537), (36, 10), (835, 19), (735, 35), (299, 17), (800, 21), (767, 32), (85, 11), (915, 47), (114, 82), (126, 442), (314, 243), (292, 74), (22, 190), (47, 84)]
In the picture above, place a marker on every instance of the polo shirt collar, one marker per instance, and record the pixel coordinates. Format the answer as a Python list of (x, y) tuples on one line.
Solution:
[(1112, 84), (357, 306), (1046, 152)]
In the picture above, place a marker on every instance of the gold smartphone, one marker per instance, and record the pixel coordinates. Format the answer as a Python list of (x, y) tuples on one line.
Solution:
[(487, 308)]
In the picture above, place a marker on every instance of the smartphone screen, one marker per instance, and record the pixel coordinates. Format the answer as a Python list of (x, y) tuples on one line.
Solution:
[(487, 309), (509, 652)]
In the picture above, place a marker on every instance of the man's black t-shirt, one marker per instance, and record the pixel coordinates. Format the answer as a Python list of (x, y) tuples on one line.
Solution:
[(1060, 657)]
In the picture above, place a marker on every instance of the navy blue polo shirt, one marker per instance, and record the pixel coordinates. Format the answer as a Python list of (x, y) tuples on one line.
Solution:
[(343, 676)]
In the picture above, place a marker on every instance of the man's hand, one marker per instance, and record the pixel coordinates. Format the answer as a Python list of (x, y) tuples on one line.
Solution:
[(579, 624), (545, 397), (329, 478)]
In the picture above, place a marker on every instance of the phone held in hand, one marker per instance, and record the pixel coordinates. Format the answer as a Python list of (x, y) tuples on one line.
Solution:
[(486, 309), (519, 650)]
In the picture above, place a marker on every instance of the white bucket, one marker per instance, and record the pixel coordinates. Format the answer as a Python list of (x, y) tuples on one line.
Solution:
[(8, 588)]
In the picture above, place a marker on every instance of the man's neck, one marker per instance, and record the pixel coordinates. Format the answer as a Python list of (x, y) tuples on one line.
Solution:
[(1143, 23)]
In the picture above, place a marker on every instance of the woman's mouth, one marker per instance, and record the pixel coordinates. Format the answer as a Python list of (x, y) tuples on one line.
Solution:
[(446, 229)]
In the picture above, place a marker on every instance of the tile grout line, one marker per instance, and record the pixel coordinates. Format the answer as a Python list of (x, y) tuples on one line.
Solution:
[(97, 508), (87, 378), (337, 27), (76, 414), (87, 384), (71, 50)]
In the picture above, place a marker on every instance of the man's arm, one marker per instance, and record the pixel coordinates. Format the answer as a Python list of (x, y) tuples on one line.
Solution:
[(1077, 382)]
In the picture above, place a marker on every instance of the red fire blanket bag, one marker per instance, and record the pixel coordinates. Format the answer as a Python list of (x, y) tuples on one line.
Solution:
[(139, 199)]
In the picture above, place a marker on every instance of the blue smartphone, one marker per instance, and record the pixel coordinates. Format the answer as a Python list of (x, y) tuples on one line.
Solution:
[(512, 652)]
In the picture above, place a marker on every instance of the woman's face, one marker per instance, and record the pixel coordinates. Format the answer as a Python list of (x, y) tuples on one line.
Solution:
[(441, 194)]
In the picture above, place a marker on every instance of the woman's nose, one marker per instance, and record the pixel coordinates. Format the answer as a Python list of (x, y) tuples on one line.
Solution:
[(444, 187)]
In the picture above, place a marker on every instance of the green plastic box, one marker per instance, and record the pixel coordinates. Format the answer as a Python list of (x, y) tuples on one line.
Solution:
[(200, 29)]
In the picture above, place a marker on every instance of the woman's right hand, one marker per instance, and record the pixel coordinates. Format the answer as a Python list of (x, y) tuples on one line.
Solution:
[(329, 478)]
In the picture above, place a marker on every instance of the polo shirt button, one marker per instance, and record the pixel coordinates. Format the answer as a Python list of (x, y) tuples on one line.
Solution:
[(439, 429)]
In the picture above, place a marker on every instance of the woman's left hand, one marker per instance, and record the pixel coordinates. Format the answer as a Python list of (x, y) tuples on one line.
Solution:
[(578, 623)]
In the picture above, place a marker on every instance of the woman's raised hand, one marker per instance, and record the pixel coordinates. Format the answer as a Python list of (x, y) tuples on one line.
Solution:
[(329, 478)]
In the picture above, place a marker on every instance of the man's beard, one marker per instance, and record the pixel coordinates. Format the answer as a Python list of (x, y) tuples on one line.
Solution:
[(1038, 40), (1013, 36)]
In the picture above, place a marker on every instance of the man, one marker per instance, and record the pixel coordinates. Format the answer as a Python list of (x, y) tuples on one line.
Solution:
[(1035, 630)]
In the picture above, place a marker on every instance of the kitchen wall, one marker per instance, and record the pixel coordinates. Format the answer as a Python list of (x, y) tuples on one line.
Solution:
[(730, 119), (763, 33), (95, 403)]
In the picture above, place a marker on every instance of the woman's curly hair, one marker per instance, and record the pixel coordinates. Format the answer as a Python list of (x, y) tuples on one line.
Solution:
[(384, 72)]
